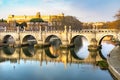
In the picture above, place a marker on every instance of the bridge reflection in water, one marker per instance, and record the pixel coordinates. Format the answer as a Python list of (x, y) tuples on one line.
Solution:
[(29, 57), (47, 54), (77, 54)]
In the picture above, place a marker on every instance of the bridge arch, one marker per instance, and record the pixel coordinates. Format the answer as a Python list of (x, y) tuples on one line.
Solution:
[(104, 37), (54, 42), (107, 41), (29, 39), (78, 42), (8, 39), (77, 36), (49, 38)]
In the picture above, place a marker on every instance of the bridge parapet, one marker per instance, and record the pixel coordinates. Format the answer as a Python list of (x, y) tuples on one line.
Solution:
[(106, 30), (56, 31)]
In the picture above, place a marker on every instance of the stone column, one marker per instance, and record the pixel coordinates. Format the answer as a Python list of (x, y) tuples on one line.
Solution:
[(40, 36), (69, 34), (65, 37), (5, 29), (18, 29)]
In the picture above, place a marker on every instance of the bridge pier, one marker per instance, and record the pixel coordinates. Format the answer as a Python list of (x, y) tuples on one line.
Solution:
[(64, 38), (93, 46)]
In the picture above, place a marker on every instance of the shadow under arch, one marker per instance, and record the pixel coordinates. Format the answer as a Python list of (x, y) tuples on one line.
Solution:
[(78, 44), (29, 39), (29, 42), (100, 43), (8, 39), (54, 42)]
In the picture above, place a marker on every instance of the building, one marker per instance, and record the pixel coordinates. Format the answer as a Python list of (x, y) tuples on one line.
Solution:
[(93, 25), (51, 19), (3, 25)]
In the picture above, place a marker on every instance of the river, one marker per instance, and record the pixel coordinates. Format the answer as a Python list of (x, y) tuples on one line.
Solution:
[(29, 63)]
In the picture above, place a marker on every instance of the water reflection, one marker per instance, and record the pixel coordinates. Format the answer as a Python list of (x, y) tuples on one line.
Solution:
[(107, 46), (80, 51), (51, 71), (83, 51), (53, 50), (52, 63), (8, 50), (29, 50)]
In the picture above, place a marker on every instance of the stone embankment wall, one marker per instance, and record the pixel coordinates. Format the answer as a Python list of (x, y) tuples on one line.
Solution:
[(114, 62)]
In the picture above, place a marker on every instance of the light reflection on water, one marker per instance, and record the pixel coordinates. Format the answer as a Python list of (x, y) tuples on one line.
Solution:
[(83, 51), (33, 69), (106, 48)]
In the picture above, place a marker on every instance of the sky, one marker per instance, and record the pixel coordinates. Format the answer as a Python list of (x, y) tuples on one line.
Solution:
[(84, 10)]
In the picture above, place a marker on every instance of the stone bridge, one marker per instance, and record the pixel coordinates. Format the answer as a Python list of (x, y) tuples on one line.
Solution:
[(65, 36)]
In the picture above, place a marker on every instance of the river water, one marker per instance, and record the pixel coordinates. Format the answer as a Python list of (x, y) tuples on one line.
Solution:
[(31, 63)]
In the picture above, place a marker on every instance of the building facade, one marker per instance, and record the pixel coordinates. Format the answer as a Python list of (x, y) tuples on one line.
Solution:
[(49, 20), (26, 18)]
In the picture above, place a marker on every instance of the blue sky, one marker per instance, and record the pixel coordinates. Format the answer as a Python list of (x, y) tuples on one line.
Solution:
[(84, 10)]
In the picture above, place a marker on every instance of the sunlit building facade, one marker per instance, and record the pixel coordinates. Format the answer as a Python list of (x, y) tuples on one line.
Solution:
[(50, 19)]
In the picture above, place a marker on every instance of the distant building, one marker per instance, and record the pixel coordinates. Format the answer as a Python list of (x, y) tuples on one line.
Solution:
[(3, 26), (51, 19), (91, 25)]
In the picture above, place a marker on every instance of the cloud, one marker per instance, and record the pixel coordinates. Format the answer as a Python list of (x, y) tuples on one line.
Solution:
[(84, 10)]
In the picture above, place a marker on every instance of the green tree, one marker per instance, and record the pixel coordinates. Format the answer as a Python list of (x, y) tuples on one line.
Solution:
[(22, 25), (2, 20), (17, 24), (36, 20)]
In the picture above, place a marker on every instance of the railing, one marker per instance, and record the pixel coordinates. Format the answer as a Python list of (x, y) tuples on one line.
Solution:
[(56, 31)]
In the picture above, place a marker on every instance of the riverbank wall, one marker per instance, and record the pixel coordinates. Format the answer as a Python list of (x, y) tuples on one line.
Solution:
[(113, 60)]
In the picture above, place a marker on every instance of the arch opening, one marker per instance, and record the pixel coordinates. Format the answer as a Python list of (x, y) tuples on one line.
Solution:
[(8, 39), (28, 43), (53, 50), (80, 50), (29, 40), (106, 45)]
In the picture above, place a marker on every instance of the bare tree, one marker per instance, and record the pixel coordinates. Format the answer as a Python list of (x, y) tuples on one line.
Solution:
[(117, 15)]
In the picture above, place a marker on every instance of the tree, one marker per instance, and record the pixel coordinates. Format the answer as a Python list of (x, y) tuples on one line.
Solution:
[(68, 21), (117, 22), (114, 24), (17, 24), (2, 20), (73, 22), (36, 20), (118, 15), (22, 25)]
